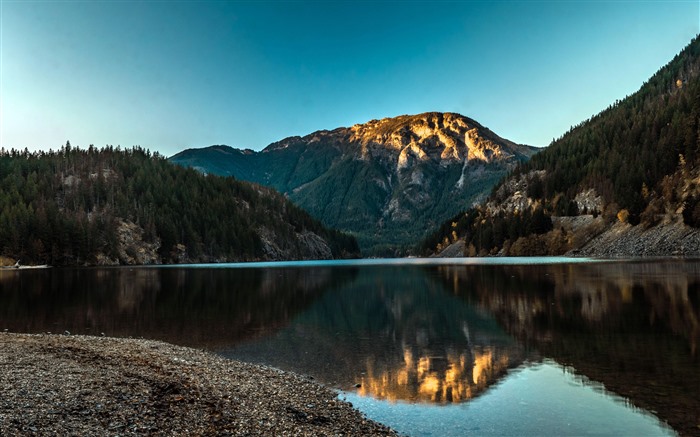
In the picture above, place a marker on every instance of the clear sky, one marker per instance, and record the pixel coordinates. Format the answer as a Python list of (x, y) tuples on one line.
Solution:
[(173, 75)]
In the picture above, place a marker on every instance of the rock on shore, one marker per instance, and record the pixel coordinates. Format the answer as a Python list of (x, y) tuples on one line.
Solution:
[(78, 385)]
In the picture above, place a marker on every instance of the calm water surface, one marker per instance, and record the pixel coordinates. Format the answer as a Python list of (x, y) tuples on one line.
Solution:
[(482, 347)]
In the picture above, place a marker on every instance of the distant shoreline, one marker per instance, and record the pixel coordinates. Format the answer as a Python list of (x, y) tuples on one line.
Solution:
[(447, 257), (59, 384)]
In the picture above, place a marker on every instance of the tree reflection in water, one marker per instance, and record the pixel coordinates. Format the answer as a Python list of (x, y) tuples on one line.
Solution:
[(633, 326), (199, 307)]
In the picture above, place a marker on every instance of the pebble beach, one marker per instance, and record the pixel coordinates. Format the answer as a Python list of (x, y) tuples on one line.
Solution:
[(81, 385)]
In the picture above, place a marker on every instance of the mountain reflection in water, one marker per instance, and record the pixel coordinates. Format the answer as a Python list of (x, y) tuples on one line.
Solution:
[(396, 334), (454, 378)]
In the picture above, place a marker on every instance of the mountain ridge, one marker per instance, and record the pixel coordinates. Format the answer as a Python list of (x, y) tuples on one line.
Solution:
[(386, 181)]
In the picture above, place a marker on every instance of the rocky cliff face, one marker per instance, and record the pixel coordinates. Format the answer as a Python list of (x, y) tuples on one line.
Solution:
[(440, 137), (387, 181), (132, 249)]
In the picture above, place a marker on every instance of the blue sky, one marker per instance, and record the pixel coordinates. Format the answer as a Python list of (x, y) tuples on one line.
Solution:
[(175, 75)]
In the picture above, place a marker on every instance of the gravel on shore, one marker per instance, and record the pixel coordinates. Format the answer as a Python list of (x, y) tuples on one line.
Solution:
[(79, 385), (622, 240)]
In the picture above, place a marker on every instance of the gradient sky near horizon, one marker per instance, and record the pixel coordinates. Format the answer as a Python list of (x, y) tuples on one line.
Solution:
[(174, 75)]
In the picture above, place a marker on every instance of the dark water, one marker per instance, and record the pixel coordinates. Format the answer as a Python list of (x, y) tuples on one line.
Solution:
[(494, 348)]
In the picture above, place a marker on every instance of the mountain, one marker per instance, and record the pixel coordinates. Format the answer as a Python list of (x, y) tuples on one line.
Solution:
[(386, 181), (113, 206), (625, 182)]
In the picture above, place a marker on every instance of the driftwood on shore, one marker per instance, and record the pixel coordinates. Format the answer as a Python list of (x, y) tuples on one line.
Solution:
[(78, 385), (18, 266), (43, 266)]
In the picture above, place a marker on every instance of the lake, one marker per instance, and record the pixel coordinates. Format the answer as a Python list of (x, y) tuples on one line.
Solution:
[(495, 346)]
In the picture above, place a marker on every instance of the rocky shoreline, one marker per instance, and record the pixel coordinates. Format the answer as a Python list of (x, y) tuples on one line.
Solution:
[(80, 385), (622, 240), (589, 236)]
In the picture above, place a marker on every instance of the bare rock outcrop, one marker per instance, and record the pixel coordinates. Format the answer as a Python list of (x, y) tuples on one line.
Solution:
[(133, 249), (304, 245)]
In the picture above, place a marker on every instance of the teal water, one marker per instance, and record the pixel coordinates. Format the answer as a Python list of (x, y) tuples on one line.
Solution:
[(515, 260), (493, 346), (536, 399)]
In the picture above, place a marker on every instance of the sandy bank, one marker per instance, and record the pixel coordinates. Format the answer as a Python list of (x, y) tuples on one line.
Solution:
[(77, 385)]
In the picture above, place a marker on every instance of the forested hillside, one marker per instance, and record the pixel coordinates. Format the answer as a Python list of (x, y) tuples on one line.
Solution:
[(636, 163), (114, 206)]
